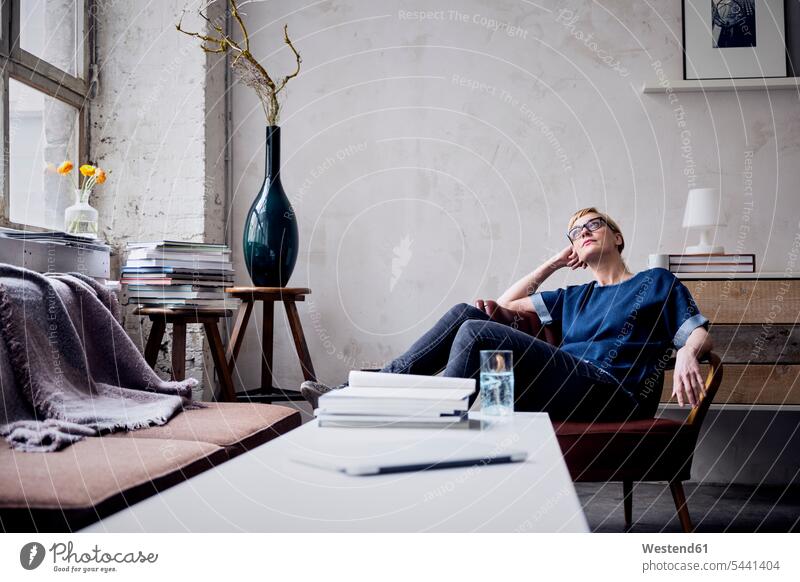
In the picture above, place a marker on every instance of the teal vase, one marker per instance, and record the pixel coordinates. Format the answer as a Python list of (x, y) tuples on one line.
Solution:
[(270, 240)]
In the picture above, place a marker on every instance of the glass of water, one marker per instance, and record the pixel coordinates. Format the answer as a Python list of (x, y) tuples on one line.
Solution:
[(497, 382)]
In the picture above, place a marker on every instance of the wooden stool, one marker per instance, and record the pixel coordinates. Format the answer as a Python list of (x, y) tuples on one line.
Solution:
[(179, 317), (269, 295)]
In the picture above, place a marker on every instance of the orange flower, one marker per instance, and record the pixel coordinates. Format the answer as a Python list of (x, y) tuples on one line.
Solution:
[(87, 170), (65, 168), (100, 176)]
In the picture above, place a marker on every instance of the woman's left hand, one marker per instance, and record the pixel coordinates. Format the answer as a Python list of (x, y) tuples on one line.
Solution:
[(687, 382)]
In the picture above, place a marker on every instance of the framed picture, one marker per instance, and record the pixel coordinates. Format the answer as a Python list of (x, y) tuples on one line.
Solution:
[(733, 39)]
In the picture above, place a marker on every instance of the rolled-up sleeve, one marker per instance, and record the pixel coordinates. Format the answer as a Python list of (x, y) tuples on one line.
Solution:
[(682, 315), (549, 305)]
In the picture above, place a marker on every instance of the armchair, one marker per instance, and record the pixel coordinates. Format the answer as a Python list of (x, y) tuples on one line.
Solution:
[(656, 449)]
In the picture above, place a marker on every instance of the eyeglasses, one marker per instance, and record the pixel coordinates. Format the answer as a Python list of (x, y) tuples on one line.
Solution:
[(591, 225)]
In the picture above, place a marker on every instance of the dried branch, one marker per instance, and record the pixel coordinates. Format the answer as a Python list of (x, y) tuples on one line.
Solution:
[(216, 27), (296, 56), (223, 43), (235, 14), (250, 71)]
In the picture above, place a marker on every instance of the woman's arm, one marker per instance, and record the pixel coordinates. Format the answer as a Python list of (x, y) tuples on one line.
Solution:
[(687, 381), (699, 342), (517, 298)]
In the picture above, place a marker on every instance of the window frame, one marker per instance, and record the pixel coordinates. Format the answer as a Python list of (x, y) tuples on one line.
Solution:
[(27, 68)]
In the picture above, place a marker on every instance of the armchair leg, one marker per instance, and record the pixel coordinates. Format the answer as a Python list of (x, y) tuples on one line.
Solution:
[(676, 487), (627, 498)]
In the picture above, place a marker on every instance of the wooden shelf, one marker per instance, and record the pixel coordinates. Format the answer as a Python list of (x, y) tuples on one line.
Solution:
[(761, 275), (754, 408), (709, 85)]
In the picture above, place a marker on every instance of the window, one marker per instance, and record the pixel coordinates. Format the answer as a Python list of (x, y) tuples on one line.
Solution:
[(52, 30), (42, 132), (44, 54)]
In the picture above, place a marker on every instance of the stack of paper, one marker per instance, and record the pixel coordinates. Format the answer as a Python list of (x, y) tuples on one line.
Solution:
[(55, 237), (376, 399), (712, 263), (178, 274)]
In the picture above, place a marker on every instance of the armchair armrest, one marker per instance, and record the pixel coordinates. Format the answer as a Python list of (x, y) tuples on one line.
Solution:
[(712, 383)]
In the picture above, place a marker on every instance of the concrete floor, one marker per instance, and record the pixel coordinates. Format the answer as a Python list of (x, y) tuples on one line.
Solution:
[(713, 508)]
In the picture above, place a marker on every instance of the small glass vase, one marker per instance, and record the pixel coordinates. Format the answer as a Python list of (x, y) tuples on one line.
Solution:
[(80, 219)]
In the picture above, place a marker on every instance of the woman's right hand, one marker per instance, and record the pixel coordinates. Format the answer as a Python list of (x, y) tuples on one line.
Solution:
[(566, 258)]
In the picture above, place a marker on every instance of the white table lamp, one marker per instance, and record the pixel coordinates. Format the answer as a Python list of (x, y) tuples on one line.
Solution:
[(703, 212)]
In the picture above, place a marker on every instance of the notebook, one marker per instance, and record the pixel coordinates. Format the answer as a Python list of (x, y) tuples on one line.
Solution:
[(427, 455)]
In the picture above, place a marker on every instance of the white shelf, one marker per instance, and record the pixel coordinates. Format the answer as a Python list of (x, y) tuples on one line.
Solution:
[(708, 85)]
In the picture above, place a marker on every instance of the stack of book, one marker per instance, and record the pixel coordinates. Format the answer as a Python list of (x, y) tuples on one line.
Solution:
[(178, 275), (380, 399), (712, 263)]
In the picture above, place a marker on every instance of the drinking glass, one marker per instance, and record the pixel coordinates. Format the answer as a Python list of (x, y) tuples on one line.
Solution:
[(497, 382)]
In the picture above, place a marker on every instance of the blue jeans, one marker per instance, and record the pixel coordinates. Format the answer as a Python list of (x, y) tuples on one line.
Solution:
[(546, 378)]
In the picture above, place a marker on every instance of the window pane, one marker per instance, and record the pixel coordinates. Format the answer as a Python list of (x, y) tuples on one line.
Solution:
[(43, 132), (53, 31)]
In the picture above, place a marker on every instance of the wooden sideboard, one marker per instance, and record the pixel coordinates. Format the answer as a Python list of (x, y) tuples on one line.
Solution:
[(755, 327)]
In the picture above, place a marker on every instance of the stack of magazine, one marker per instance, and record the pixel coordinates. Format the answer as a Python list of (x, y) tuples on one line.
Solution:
[(55, 237), (178, 275), (381, 399)]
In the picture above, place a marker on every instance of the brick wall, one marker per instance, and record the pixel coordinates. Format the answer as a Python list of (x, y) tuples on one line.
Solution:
[(157, 125)]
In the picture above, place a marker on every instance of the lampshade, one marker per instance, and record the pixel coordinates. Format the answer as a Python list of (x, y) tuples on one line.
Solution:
[(703, 209)]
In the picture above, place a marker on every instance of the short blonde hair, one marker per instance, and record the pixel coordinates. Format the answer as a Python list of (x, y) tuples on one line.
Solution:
[(612, 224)]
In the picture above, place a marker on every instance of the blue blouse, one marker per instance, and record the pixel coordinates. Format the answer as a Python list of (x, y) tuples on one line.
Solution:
[(626, 329)]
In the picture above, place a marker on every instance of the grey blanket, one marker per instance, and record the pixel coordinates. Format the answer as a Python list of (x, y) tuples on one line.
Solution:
[(68, 369)]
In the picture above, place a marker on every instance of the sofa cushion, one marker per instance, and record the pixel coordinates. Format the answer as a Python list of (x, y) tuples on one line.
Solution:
[(71, 488), (655, 449), (236, 426)]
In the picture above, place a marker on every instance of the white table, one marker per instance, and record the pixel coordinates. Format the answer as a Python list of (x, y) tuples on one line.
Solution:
[(264, 490)]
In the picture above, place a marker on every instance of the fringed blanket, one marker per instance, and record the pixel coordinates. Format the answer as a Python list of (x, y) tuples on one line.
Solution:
[(68, 369)]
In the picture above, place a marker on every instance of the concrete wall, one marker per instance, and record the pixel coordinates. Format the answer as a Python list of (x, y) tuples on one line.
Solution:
[(434, 158), (157, 126)]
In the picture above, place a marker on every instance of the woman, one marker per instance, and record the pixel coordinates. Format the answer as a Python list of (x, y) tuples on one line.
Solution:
[(617, 332)]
